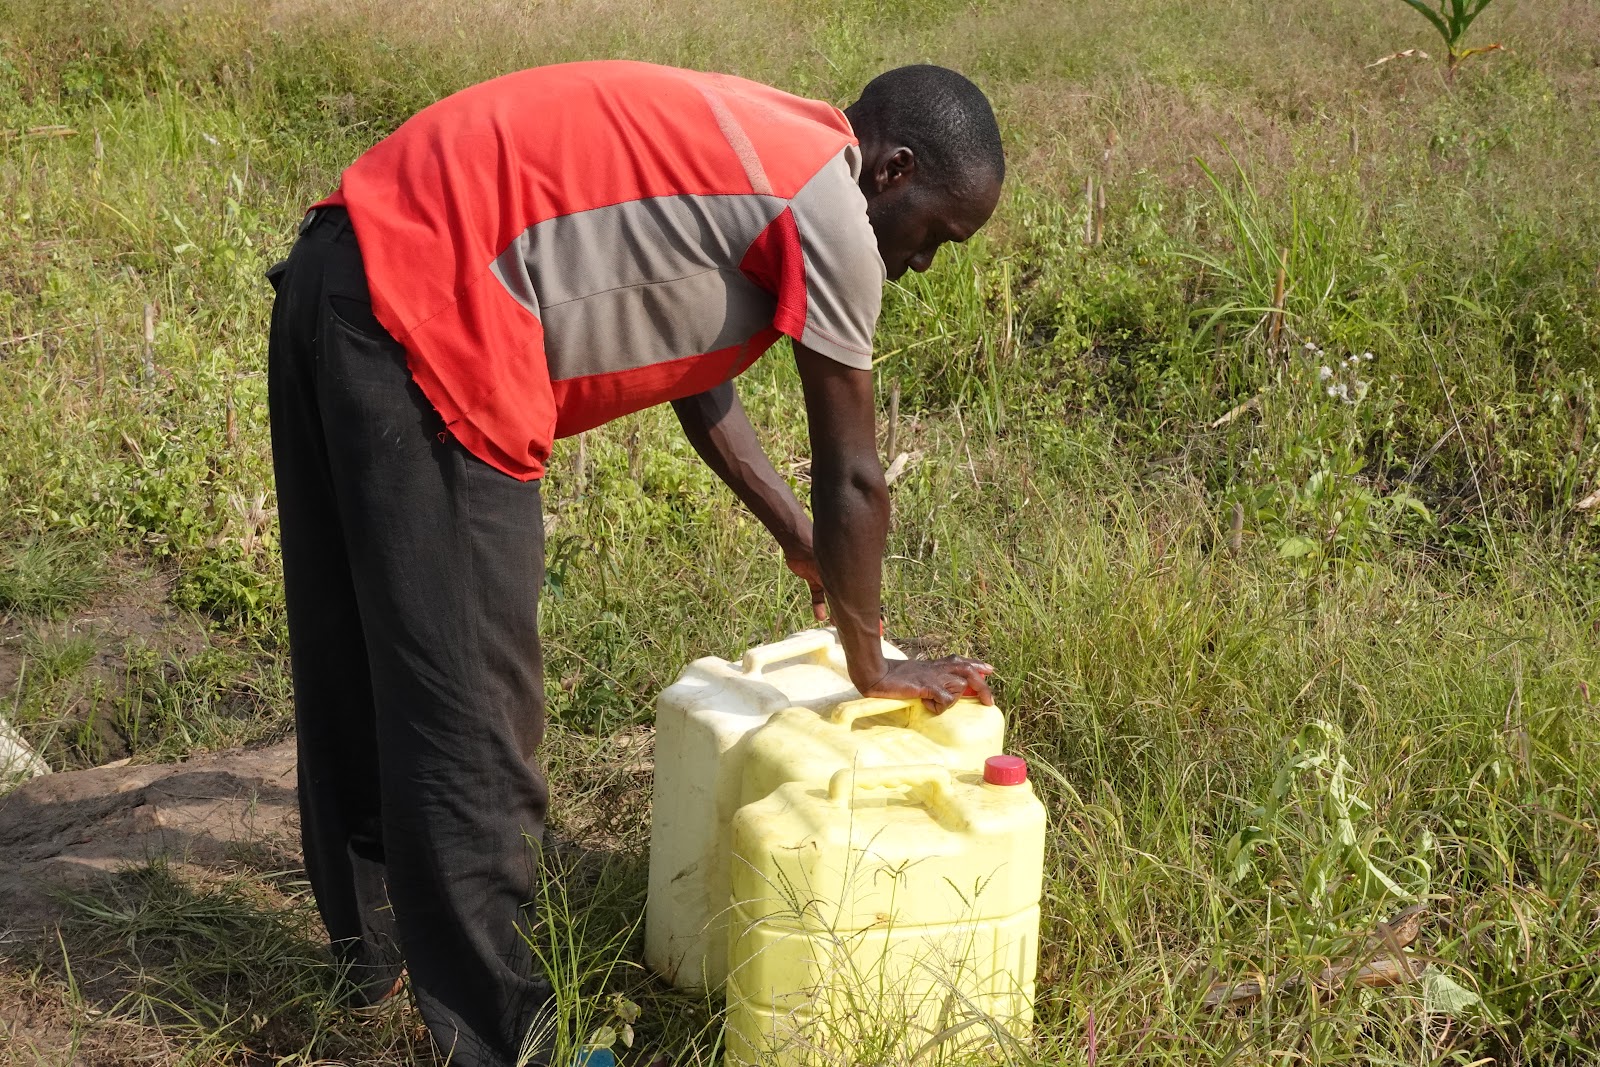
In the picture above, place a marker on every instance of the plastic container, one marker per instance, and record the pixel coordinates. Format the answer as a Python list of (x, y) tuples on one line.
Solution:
[(18, 762), (700, 721), (891, 902), (799, 745)]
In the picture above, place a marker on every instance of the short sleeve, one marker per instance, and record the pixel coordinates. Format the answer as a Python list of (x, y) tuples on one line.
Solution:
[(844, 273)]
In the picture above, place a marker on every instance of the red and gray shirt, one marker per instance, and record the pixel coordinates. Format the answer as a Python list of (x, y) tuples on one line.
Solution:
[(562, 246)]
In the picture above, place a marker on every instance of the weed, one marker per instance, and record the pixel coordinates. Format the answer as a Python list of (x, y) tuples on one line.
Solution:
[(216, 698), (45, 577), (55, 655), (1340, 873), (224, 968), (580, 949)]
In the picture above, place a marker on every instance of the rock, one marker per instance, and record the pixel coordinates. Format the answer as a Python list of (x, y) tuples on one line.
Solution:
[(69, 830)]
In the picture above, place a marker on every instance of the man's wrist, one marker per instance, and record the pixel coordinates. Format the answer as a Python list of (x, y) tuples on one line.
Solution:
[(866, 662), (867, 682), (793, 534)]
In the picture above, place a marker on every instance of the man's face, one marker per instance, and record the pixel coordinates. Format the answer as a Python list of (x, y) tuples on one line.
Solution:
[(912, 219)]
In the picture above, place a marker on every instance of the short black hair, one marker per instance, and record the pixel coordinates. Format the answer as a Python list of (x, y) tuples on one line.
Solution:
[(940, 115)]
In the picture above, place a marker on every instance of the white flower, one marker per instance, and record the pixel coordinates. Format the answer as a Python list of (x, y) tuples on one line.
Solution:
[(1333, 390), (1343, 390), (1310, 346), (1367, 356), (210, 139), (1324, 373)]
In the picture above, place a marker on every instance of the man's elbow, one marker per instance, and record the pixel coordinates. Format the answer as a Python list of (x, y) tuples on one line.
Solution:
[(867, 481), (856, 485)]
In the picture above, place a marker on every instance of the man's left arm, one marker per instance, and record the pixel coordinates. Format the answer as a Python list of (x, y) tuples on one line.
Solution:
[(717, 427)]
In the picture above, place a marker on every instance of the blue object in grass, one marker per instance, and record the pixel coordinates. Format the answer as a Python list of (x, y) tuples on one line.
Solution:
[(595, 1057)]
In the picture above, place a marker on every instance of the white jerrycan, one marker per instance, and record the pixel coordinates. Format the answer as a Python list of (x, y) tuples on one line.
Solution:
[(700, 721)]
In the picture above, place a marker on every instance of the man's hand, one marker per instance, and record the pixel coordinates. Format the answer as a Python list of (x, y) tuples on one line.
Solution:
[(937, 682), (800, 559)]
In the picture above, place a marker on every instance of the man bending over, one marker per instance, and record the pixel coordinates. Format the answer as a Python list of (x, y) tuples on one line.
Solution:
[(522, 261)]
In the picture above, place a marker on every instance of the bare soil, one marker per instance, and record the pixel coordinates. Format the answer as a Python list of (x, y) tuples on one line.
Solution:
[(212, 819), (79, 831), (68, 831)]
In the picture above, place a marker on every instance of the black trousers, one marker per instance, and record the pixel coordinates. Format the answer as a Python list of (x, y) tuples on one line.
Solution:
[(412, 574)]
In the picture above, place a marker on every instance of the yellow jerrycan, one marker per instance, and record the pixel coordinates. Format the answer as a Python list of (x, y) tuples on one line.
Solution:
[(799, 745), (701, 720), (890, 905)]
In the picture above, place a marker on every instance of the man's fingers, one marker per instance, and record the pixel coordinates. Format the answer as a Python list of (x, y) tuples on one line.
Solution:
[(978, 685), (806, 571), (937, 683), (819, 601)]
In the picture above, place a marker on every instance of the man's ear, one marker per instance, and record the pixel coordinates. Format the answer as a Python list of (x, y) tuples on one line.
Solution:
[(895, 168)]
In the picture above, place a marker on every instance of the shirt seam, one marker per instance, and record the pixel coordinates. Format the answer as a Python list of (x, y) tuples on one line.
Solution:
[(641, 285), (456, 298), (662, 362), (826, 336)]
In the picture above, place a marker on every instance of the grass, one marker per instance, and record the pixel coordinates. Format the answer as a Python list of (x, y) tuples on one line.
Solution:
[(230, 970), (1170, 594), (44, 578)]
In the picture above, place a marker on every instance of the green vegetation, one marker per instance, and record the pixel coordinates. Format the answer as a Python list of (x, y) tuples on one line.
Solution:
[(43, 578), (1153, 475), (1452, 18)]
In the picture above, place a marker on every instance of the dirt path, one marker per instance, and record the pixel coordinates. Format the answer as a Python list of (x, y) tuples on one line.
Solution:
[(68, 831)]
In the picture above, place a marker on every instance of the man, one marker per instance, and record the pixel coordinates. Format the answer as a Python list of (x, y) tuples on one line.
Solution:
[(519, 262)]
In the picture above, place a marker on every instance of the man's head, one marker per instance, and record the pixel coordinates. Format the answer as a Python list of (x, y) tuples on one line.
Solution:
[(932, 164)]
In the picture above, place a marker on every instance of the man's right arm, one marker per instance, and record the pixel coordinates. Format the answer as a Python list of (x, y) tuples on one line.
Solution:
[(850, 515)]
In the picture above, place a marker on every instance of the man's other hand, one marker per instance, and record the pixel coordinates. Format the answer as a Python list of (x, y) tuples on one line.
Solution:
[(937, 682), (801, 560)]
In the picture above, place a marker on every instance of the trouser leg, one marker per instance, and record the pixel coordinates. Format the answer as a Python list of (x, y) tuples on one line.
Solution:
[(445, 558), (335, 723)]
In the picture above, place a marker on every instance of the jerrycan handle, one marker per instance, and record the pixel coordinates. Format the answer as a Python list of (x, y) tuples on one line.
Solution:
[(846, 712), (845, 783), (812, 644)]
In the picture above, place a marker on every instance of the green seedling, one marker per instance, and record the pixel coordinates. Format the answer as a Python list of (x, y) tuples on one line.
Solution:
[(1452, 18)]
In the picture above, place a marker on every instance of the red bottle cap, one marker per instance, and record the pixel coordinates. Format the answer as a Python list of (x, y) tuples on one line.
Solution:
[(1005, 770)]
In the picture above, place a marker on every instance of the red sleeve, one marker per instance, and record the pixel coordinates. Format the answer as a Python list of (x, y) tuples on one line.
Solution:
[(776, 263)]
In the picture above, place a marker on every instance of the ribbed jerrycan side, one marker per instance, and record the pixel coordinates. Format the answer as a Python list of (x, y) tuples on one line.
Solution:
[(890, 901), (701, 720)]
